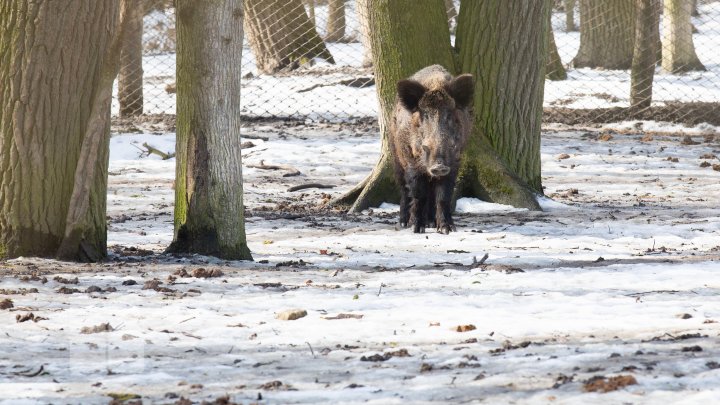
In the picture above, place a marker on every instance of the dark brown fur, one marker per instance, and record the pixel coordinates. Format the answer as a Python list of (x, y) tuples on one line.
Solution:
[(428, 132)]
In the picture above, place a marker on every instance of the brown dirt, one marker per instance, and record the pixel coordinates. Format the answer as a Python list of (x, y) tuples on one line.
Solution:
[(605, 384)]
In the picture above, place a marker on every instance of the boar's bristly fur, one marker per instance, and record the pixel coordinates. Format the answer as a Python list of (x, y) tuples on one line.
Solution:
[(428, 132)]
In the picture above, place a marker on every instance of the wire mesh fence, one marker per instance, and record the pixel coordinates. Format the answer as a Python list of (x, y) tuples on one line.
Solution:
[(608, 61)]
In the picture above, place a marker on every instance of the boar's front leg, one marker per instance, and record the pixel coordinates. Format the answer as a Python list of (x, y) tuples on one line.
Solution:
[(401, 180), (418, 185), (443, 199)]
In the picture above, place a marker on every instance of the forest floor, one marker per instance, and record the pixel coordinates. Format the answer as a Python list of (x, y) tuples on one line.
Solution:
[(610, 295)]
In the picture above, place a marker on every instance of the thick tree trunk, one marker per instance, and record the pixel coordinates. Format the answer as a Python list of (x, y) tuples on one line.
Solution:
[(130, 78), (50, 73), (95, 148), (555, 70), (508, 98), (647, 34), (607, 33), (678, 55), (281, 35), (362, 12), (399, 49), (209, 217), (336, 21), (570, 16)]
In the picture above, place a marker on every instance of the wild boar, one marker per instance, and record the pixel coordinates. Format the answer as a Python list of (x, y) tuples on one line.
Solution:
[(429, 129)]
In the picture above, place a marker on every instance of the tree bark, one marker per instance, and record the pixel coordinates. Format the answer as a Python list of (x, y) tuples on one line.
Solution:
[(555, 70), (502, 163), (281, 35), (607, 33), (678, 54), (209, 216), (406, 36), (51, 62), (362, 11), (130, 77), (570, 16), (336, 21), (95, 147), (647, 34)]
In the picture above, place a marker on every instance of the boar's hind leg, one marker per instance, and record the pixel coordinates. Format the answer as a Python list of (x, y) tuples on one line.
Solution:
[(443, 199), (418, 185)]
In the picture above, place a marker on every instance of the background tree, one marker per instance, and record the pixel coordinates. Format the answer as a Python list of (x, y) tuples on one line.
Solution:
[(55, 126), (570, 16), (607, 33), (130, 77), (281, 35), (502, 163), (310, 4), (336, 21), (647, 35), (555, 70), (209, 216), (362, 12), (451, 12), (678, 55)]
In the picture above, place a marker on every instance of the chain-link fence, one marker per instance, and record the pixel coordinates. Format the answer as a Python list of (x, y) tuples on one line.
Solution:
[(309, 59)]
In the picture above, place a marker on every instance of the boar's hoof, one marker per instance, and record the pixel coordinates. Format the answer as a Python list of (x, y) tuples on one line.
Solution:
[(444, 229), (403, 224), (418, 229)]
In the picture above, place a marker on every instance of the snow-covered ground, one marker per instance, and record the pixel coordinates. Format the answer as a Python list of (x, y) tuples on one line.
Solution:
[(618, 276), (316, 92)]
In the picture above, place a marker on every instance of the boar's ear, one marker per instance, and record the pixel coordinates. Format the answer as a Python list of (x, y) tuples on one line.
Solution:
[(462, 89), (409, 93)]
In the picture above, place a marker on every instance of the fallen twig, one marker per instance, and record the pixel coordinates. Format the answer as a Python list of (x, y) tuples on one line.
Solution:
[(292, 171), (262, 138), (153, 150), (309, 185)]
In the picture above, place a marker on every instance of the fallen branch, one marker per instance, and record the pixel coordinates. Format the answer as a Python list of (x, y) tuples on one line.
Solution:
[(292, 171), (153, 150), (262, 138), (309, 185), (360, 82)]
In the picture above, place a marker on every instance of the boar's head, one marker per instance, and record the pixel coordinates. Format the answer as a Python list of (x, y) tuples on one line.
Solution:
[(440, 122)]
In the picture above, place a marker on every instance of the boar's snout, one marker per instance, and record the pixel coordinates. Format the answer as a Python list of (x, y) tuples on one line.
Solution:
[(439, 170)]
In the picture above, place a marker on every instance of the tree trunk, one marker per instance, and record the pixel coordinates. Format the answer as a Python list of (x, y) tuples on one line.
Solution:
[(95, 147), (406, 36), (555, 70), (695, 12), (502, 163), (362, 11), (50, 75), (281, 35), (570, 16), (647, 34), (336, 21), (607, 33), (678, 54), (130, 78), (209, 216)]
